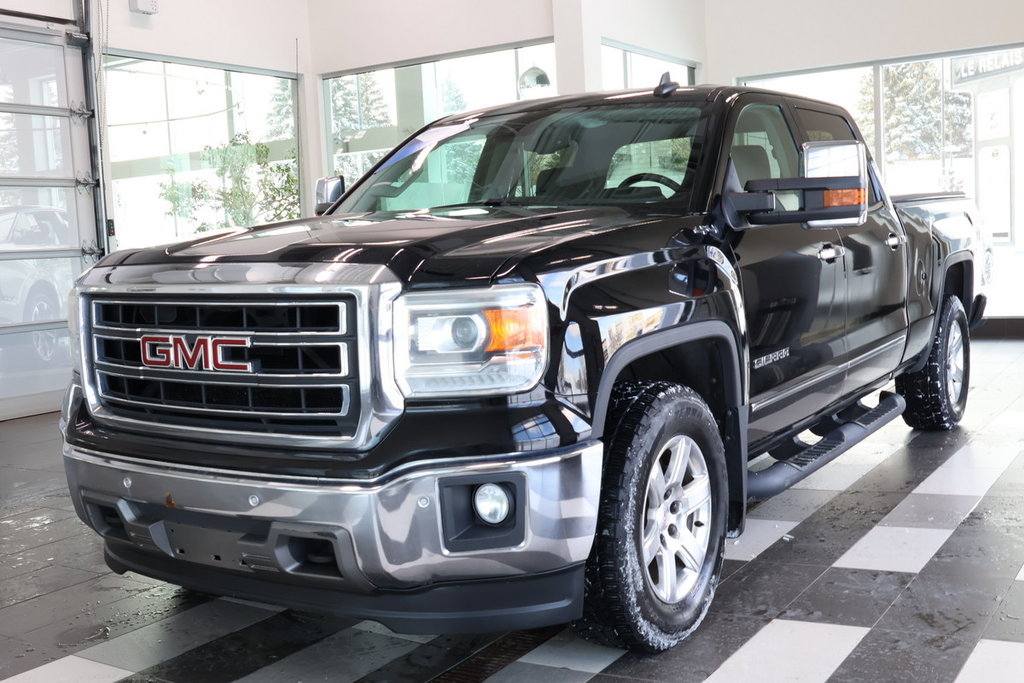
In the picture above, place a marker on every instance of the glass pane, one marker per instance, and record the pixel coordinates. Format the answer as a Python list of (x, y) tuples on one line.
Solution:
[(35, 146), (476, 81), (34, 363), (32, 74), (613, 68), (35, 290), (372, 112), (646, 71), (37, 217), (852, 89), (537, 76), (196, 149)]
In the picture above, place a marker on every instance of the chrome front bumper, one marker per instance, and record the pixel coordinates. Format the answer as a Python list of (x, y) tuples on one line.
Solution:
[(385, 533)]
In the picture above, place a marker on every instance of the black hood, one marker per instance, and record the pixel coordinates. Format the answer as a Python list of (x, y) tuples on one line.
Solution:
[(459, 244)]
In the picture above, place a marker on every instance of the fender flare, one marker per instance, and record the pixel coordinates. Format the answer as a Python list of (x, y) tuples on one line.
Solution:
[(734, 423), (956, 257)]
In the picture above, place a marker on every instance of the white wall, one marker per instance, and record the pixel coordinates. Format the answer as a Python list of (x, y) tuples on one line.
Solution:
[(253, 33), (61, 9), (674, 28), (356, 35), (752, 37)]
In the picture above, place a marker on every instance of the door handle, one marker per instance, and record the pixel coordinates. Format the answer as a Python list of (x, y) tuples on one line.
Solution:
[(894, 241), (830, 252)]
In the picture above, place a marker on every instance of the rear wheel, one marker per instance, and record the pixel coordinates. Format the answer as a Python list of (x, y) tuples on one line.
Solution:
[(661, 530), (937, 394)]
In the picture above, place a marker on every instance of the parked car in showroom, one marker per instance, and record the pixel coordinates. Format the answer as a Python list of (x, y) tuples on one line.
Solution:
[(34, 289)]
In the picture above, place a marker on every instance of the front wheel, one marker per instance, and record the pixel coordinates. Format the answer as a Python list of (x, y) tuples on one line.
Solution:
[(936, 395), (661, 526)]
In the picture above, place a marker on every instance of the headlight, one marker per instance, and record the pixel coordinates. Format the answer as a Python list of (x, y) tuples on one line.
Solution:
[(471, 342), (75, 329)]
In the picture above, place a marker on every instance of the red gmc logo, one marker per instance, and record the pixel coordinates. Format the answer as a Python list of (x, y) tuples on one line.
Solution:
[(206, 353)]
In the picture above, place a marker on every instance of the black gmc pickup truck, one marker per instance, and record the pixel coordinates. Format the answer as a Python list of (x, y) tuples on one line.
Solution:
[(517, 374)]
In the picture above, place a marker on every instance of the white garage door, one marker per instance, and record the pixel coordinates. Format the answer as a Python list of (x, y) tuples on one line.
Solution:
[(47, 206)]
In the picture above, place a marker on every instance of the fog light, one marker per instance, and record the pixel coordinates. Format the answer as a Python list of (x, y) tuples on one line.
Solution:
[(492, 503)]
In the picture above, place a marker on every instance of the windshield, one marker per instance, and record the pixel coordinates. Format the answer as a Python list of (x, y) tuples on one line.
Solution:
[(624, 154)]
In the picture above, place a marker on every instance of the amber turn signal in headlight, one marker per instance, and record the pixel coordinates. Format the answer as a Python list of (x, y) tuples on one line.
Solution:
[(470, 342)]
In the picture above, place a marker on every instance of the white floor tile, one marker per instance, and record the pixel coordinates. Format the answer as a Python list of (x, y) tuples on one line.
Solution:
[(757, 535), (67, 669), (792, 505), (894, 549), (960, 479), (787, 650), (1020, 574), (993, 661), (931, 511), (565, 650)]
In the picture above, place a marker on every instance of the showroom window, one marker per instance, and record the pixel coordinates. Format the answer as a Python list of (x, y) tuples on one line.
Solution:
[(944, 124), (371, 112), (622, 68), (195, 149)]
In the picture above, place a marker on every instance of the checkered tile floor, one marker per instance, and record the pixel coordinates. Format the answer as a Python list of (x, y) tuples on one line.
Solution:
[(901, 561)]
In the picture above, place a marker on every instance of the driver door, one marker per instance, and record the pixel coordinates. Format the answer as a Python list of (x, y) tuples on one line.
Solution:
[(791, 276)]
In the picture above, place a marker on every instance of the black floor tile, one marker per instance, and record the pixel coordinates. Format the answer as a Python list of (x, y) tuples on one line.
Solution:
[(730, 567), (764, 589), (979, 547), (16, 565), (943, 606), (39, 582), (431, 659), (695, 658), (827, 534), (82, 551), (245, 651), (15, 540), (67, 603), (1008, 621), (853, 597), (898, 656), (17, 656)]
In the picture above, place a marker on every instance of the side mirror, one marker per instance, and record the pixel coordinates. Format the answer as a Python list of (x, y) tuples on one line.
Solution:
[(328, 191), (832, 192)]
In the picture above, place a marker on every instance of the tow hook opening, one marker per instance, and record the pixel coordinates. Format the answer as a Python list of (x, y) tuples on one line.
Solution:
[(313, 556), (107, 520)]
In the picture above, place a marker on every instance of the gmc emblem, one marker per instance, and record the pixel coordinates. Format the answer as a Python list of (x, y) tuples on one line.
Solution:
[(206, 353)]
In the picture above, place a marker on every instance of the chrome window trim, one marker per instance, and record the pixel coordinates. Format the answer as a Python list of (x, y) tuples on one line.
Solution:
[(373, 288)]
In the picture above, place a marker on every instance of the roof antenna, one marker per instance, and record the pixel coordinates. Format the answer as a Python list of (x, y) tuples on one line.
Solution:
[(666, 86)]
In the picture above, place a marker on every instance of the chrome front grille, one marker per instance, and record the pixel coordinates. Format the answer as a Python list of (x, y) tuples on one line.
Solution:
[(293, 366)]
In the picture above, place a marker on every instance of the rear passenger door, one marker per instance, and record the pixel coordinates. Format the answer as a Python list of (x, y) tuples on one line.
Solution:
[(874, 268), (790, 276)]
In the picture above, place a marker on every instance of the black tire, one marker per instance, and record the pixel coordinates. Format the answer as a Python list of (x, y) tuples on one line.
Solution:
[(937, 394), (631, 602)]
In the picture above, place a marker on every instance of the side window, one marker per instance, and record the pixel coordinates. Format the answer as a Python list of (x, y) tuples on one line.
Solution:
[(763, 147), (822, 127), (762, 144)]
